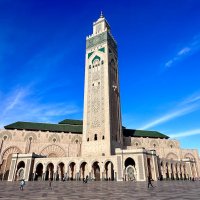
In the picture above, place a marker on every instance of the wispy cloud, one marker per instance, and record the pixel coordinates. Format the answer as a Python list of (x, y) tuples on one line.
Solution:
[(185, 133), (14, 100), (192, 47), (22, 104), (185, 107), (191, 99)]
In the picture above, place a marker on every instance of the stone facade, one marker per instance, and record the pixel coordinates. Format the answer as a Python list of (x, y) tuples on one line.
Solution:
[(100, 150)]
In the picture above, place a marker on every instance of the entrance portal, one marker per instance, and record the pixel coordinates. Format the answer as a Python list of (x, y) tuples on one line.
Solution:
[(96, 170)]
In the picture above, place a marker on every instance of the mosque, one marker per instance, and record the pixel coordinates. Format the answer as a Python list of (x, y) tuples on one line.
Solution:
[(97, 146)]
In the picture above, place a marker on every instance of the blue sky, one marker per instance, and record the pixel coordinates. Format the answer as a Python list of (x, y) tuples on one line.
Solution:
[(42, 56)]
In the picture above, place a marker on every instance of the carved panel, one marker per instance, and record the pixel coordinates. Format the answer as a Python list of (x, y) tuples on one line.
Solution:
[(55, 150)]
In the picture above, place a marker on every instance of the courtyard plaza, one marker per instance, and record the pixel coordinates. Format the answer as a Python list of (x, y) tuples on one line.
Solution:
[(179, 190)]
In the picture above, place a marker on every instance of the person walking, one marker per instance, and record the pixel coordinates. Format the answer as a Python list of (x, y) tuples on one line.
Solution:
[(85, 180), (22, 184), (149, 179)]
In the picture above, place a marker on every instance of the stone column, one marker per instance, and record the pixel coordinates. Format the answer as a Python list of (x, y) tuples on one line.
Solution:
[(163, 171), (115, 176), (33, 176), (195, 168), (90, 175), (155, 167), (43, 176)]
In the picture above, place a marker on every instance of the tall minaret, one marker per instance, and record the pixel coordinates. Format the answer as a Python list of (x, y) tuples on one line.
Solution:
[(102, 128)]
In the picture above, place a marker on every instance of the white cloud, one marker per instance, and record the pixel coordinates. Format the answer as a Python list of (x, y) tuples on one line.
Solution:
[(184, 51), (189, 49), (186, 133), (170, 116), (23, 105), (169, 63), (188, 105), (192, 99), (14, 99)]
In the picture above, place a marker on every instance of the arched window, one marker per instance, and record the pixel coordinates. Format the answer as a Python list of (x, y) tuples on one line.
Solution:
[(88, 139), (95, 136), (103, 137), (129, 161), (5, 137), (54, 139)]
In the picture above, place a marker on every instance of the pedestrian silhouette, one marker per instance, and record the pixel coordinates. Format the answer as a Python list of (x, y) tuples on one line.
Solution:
[(149, 179), (22, 184), (85, 180)]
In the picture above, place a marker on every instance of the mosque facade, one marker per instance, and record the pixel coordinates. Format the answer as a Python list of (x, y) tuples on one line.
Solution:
[(97, 146)]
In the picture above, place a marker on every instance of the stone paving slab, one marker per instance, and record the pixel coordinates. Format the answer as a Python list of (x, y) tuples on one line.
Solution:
[(71, 190)]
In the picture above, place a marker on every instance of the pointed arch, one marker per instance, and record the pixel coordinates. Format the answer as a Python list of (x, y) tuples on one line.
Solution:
[(172, 156), (53, 150), (10, 150), (96, 58), (6, 161), (189, 155)]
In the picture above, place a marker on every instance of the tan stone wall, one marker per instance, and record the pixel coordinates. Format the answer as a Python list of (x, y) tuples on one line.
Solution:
[(66, 148), (45, 143), (165, 148)]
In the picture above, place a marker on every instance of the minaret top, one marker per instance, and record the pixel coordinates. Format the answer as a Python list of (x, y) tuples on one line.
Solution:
[(101, 16), (101, 25)]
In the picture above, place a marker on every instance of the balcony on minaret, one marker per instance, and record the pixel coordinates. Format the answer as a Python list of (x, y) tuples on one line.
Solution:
[(101, 25)]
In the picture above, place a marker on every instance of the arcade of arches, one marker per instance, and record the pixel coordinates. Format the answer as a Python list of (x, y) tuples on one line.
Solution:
[(132, 166), (62, 171)]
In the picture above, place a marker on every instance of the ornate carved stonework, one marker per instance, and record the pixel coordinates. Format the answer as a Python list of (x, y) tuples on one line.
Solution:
[(91, 42)]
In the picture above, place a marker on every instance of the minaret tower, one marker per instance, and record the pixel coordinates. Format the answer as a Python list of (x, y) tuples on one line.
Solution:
[(102, 128)]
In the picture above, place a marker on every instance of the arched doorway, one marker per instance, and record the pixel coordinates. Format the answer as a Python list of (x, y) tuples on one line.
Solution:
[(161, 171), (181, 172), (61, 171), (49, 171), (185, 174), (167, 171), (39, 172), (20, 173), (96, 170), (5, 167), (6, 161), (130, 174), (72, 171), (109, 171), (83, 170), (172, 171), (176, 171), (149, 167)]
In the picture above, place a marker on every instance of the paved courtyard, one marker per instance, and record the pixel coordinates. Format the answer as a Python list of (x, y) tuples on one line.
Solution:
[(101, 190)]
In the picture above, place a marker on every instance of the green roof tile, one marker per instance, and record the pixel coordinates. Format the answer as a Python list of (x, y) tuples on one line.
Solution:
[(76, 126), (143, 133), (71, 122), (45, 127)]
